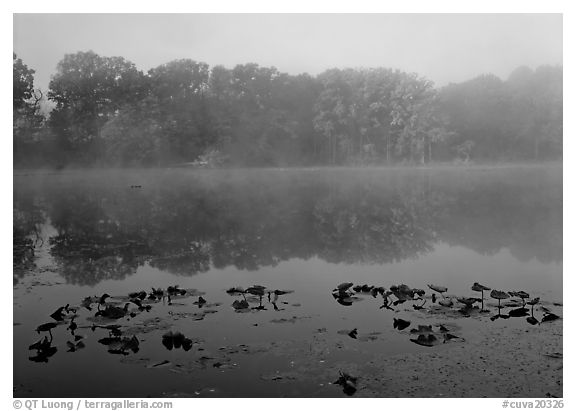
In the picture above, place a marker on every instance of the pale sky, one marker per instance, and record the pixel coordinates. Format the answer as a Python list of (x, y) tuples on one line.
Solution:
[(442, 47)]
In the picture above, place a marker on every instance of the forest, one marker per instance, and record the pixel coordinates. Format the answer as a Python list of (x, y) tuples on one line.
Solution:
[(103, 111)]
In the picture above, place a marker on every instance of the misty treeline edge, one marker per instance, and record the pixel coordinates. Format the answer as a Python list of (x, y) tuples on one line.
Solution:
[(107, 112)]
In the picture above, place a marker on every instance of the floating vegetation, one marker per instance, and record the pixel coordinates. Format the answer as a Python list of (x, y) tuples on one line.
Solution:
[(439, 289), (427, 340), (44, 350), (350, 333), (46, 327), (518, 312), (121, 345), (550, 317), (428, 337), (499, 295), (347, 382), (400, 324), (521, 294), (480, 288), (123, 338), (75, 346), (176, 340), (343, 287), (240, 305)]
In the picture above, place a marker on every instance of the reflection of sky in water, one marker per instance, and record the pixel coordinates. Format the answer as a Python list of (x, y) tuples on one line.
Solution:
[(285, 231)]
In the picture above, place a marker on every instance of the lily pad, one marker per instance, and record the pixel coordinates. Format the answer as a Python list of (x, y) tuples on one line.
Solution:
[(427, 340), (240, 304)]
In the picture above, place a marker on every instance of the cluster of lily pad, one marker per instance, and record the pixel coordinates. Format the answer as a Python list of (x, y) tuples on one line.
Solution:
[(255, 291), (104, 311), (125, 306), (345, 294), (254, 298)]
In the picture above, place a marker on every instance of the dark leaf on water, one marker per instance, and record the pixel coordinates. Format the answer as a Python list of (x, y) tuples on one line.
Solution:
[(176, 340), (425, 340), (344, 286), (41, 344), (532, 320), (43, 355), (58, 315), (422, 329), (550, 317), (240, 305), (448, 337), (282, 292), (400, 324), (347, 382), (109, 340), (519, 312), (187, 344), (437, 288), (46, 327)]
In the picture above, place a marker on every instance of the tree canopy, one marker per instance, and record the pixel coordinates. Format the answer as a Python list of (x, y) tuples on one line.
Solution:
[(107, 112)]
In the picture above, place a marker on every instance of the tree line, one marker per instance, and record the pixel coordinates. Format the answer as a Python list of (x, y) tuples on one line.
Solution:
[(104, 111)]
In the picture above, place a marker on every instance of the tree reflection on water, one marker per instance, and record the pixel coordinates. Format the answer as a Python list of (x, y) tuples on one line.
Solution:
[(187, 223)]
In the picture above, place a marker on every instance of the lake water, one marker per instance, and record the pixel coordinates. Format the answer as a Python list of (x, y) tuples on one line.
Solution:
[(85, 233)]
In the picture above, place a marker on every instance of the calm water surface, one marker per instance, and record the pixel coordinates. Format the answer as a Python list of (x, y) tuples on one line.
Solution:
[(80, 234)]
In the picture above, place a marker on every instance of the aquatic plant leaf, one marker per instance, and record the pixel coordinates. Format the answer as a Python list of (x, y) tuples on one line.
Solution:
[(347, 382), (499, 295), (438, 288), (109, 340), (58, 315), (425, 340), (400, 324), (532, 320), (344, 286), (41, 344), (240, 304), (518, 312), (467, 301), (44, 355), (479, 287), (422, 329), (550, 317), (449, 337), (46, 327)]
